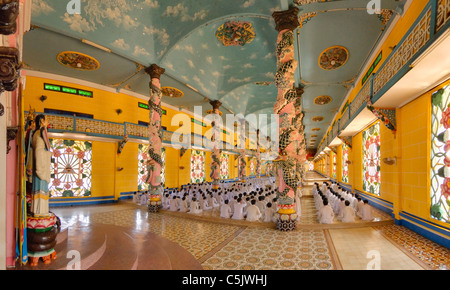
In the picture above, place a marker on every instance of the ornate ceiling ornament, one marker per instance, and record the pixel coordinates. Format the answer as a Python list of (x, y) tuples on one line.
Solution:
[(172, 92), (318, 119), (77, 60), (322, 100), (287, 19), (234, 33), (9, 68), (333, 57)]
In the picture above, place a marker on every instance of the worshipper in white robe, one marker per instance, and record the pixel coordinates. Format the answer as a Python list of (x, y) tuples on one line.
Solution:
[(220, 198), (184, 205), (173, 204), (348, 214), (253, 213), (204, 203), (298, 206), (269, 213), (359, 206), (135, 197), (225, 210), (238, 213), (214, 202), (260, 203), (341, 207), (366, 212), (143, 199), (326, 213), (195, 207), (232, 203)]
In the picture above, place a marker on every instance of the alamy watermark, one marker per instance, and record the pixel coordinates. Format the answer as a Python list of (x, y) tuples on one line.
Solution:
[(74, 7), (374, 7)]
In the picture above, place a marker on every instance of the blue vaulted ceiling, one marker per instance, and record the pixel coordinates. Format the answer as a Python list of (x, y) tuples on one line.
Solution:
[(180, 36)]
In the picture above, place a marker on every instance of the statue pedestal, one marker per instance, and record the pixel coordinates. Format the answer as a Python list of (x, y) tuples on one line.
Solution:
[(154, 204), (286, 219), (41, 238)]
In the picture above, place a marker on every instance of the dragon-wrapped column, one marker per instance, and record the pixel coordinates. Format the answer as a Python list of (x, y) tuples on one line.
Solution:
[(287, 179), (215, 139), (155, 164)]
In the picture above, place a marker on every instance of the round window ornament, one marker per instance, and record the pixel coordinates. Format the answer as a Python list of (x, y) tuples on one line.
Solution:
[(333, 58), (78, 60)]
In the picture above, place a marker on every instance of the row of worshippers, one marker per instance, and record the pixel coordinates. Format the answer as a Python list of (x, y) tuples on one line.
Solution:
[(333, 201)]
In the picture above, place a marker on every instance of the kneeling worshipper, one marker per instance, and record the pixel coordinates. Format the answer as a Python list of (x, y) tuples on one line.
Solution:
[(253, 213), (326, 213)]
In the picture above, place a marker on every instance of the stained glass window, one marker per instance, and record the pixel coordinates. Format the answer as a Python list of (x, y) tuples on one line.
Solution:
[(197, 166), (252, 166), (328, 166), (142, 168), (334, 166), (224, 166), (71, 168), (440, 155), (345, 151), (371, 159)]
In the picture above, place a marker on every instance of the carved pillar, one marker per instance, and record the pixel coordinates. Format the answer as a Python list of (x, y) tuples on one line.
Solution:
[(258, 156), (155, 164), (215, 139), (9, 11), (242, 165), (287, 180)]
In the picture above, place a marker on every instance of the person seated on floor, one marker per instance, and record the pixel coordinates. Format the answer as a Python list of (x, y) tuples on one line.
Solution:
[(360, 205), (204, 203), (348, 214), (195, 207), (253, 213), (326, 213), (269, 213), (366, 211), (184, 204), (341, 207), (225, 210), (238, 213), (135, 197), (173, 204), (260, 203), (232, 203)]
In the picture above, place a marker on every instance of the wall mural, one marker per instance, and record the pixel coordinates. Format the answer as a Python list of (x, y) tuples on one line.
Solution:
[(235, 33)]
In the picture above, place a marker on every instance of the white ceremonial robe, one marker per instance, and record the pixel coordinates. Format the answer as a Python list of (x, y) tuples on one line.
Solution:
[(173, 205), (326, 215), (225, 211), (253, 213), (348, 215), (195, 207), (269, 215), (238, 213), (184, 206), (366, 213)]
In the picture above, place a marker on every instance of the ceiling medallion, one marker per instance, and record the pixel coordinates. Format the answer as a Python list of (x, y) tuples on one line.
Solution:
[(233, 33), (322, 100), (315, 129), (77, 60), (171, 92), (317, 119), (212, 111), (333, 57)]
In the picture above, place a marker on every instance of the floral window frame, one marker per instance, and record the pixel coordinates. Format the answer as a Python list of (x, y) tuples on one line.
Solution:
[(372, 159)]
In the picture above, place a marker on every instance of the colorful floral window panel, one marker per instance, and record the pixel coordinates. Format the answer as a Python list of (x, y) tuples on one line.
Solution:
[(252, 166), (143, 157), (197, 166), (371, 159), (440, 155), (328, 166), (334, 166), (71, 168), (224, 166), (345, 151)]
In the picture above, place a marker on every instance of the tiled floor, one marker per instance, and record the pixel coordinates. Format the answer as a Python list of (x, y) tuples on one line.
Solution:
[(218, 244)]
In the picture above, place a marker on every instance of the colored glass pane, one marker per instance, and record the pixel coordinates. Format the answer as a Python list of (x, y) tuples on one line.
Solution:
[(197, 166), (71, 168), (224, 166), (345, 151), (371, 159)]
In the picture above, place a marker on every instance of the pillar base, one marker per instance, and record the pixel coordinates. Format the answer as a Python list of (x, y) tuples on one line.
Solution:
[(154, 206), (286, 222), (41, 238)]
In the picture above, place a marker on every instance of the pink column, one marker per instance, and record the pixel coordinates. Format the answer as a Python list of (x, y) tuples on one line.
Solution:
[(154, 164), (215, 139), (287, 180)]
